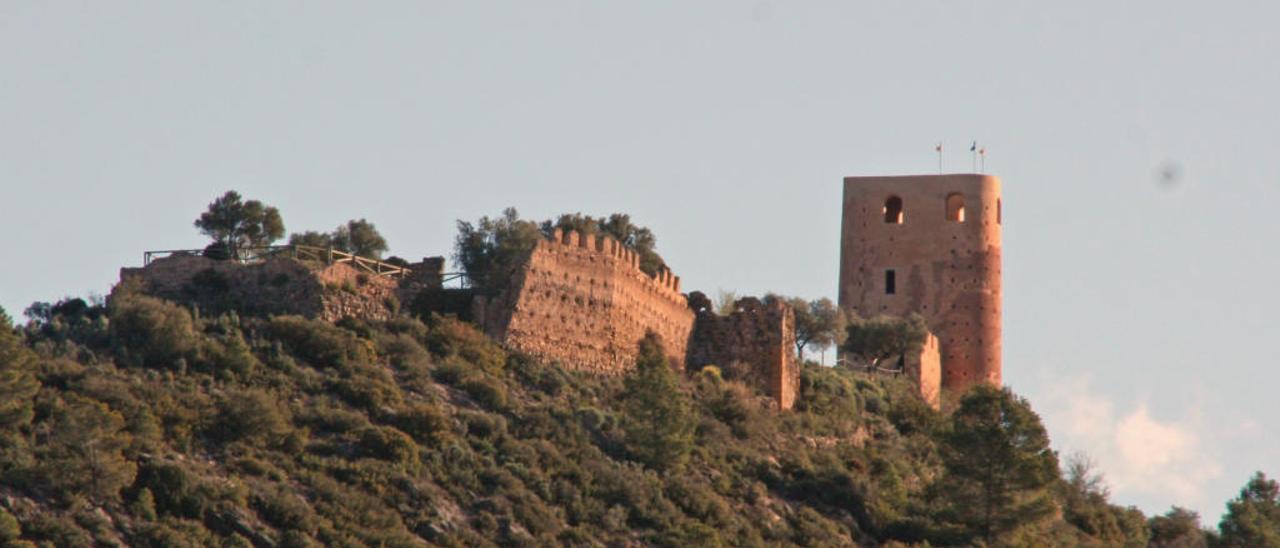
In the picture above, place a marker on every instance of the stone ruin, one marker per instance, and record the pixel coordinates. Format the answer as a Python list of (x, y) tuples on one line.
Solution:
[(583, 301), (282, 286), (574, 299), (755, 343)]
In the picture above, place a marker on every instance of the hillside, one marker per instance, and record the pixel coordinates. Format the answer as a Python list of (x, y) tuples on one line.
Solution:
[(147, 424)]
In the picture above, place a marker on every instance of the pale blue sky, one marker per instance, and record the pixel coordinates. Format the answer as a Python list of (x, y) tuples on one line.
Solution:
[(1136, 314)]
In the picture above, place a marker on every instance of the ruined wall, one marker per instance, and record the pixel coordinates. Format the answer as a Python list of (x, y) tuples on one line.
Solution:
[(755, 343), (275, 286), (585, 302), (945, 266), (924, 368)]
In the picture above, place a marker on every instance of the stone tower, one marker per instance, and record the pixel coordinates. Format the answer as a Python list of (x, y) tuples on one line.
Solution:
[(929, 244)]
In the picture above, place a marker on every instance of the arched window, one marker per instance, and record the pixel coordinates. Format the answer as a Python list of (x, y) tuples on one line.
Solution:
[(893, 210), (955, 207)]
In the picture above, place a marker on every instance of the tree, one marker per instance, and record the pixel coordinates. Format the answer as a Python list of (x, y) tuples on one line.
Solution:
[(235, 224), (151, 332), (659, 418), (998, 464), (489, 249), (1177, 528), (359, 237), (1086, 506), (883, 337), (1253, 518), (636, 238), (819, 323), (18, 387), (84, 450), (311, 238), (619, 227)]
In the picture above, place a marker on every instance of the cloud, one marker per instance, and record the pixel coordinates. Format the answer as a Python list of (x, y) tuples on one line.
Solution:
[(1156, 461)]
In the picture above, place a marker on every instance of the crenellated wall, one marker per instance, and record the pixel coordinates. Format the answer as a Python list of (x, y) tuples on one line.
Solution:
[(756, 343), (585, 302)]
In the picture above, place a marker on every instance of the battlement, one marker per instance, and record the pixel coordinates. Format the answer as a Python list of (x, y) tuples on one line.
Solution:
[(613, 253)]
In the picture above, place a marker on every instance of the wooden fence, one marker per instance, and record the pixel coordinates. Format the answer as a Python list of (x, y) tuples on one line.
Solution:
[(326, 255)]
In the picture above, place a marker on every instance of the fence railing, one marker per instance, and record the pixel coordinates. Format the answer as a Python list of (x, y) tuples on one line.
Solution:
[(325, 255)]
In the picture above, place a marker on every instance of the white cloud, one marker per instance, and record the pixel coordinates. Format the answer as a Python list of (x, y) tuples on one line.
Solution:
[(1155, 461)]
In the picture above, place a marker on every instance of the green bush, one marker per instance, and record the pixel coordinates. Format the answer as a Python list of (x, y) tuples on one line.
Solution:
[(253, 415), (426, 422), (317, 342), (150, 332), (389, 444), (486, 392)]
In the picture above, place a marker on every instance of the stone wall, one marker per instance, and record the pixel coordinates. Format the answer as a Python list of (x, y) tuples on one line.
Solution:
[(755, 343), (585, 303), (280, 286), (924, 368)]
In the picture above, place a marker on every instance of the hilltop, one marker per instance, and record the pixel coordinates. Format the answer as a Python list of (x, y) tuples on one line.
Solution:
[(144, 424), (248, 395)]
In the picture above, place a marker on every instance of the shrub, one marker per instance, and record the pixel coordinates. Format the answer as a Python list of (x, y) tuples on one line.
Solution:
[(318, 342), (150, 332), (253, 415), (389, 444), (369, 392), (426, 422), (285, 510), (486, 392)]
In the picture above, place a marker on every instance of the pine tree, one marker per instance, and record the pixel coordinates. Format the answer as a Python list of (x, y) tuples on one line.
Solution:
[(659, 417), (18, 386), (1253, 518), (84, 450), (999, 466)]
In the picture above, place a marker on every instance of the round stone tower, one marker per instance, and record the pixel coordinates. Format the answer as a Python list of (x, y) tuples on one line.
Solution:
[(929, 244)]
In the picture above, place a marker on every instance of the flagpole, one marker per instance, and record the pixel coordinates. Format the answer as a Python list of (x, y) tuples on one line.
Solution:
[(939, 149)]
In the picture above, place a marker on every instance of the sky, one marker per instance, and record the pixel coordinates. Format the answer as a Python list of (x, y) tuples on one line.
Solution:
[(1136, 142)]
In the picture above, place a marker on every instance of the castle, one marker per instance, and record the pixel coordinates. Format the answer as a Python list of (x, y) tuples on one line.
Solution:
[(583, 301), (927, 245)]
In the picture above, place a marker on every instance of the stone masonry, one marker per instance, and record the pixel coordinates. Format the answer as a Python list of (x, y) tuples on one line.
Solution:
[(585, 303), (929, 244), (756, 343), (281, 286)]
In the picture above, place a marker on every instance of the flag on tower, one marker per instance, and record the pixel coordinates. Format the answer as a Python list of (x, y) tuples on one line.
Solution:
[(973, 147)]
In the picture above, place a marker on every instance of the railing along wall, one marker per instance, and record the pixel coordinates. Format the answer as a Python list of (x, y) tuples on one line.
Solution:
[(326, 255)]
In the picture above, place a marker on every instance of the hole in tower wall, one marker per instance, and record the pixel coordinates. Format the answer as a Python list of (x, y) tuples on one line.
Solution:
[(955, 208), (893, 210)]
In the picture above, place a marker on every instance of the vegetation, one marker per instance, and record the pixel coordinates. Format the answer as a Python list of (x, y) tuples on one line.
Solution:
[(357, 237), (143, 423), (872, 341), (489, 249), (819, 324), (235, 224)]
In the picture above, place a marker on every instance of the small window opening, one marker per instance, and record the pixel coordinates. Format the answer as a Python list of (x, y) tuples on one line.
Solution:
[(998, 211), (890, 282), (893, 210), (955, 208)]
